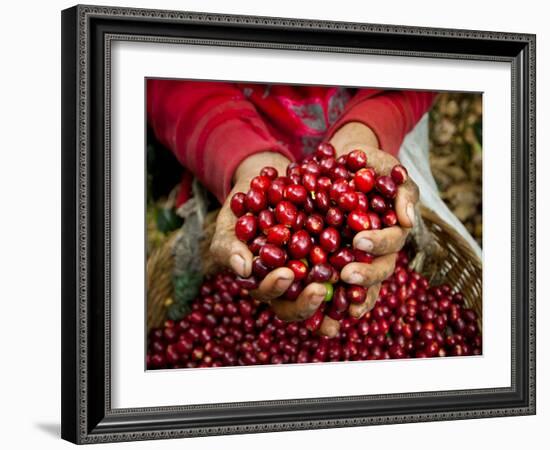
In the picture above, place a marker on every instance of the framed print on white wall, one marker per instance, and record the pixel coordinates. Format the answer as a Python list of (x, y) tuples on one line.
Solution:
[(260, 213)]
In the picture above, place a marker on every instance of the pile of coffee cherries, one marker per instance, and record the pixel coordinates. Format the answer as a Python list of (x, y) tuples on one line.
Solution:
[(306, 220), (226, 327)]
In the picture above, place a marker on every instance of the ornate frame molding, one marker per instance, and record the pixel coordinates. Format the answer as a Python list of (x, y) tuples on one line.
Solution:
[(80, 424)]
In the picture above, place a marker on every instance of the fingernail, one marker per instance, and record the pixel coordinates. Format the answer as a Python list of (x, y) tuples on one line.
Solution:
[(356, 278), (317, 299), (282, 284), (365, 244), (237, 264), (410, 213)]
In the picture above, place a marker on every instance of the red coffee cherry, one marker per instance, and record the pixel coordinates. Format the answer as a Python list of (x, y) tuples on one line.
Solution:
[(399, 174), (245, 228)]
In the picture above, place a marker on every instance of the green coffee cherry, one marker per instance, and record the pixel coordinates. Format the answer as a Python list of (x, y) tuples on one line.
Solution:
[(330, 291)]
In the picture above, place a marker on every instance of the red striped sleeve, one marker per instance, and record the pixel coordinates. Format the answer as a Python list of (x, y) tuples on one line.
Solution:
[(211, 128)]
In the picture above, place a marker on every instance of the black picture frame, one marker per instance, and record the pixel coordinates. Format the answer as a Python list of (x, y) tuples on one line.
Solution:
[(87, 32)]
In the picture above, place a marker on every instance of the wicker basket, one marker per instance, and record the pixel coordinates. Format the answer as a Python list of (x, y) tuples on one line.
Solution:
[(449, 260), (455, 263)]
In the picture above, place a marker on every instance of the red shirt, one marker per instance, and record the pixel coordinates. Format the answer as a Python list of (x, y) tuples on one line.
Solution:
[(212, 126)]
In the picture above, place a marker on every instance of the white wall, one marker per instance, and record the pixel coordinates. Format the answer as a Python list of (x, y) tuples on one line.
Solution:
[(30, 221)]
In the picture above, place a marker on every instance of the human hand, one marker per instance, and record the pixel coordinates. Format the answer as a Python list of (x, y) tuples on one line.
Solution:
[(383, 244), (231, 252)]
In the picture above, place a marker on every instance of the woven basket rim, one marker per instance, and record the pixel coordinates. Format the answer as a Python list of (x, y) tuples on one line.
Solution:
[(458, 239)]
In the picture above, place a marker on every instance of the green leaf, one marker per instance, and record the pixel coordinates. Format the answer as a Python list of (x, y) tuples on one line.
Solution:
[(168, 220), (177, 311), (186, 287)]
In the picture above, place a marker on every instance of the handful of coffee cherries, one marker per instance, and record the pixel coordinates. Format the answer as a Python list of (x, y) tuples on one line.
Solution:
[(306, 220)]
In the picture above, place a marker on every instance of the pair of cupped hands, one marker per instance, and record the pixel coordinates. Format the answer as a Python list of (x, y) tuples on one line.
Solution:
[(383, 244)]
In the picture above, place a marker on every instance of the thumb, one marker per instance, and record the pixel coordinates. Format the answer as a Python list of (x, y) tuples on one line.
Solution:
[(240, 259), (407, 197), (227, 249)]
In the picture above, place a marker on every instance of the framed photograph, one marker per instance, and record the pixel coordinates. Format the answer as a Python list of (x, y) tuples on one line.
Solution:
[(280, 224)]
